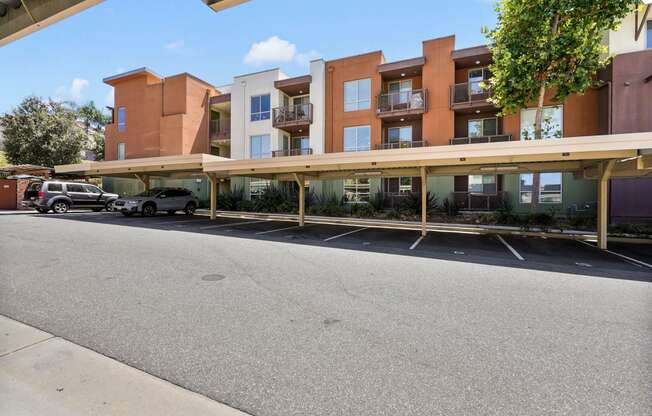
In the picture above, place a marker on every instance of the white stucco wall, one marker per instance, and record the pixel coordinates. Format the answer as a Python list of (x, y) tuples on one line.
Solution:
[(242, 128), (622, 40), (318, 100)]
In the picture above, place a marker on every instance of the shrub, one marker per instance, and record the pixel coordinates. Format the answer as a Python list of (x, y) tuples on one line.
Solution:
[(393, 214), (412, 203), (230, 200), (450, 208)]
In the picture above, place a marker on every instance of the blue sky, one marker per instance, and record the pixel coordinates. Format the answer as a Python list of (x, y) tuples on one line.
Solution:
[(67, 61)]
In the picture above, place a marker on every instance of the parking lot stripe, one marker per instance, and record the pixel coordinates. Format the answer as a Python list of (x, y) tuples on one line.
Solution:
[(635, 261), (210, 227), (281, 229), (512, 249), (416, 243), (345, 234)]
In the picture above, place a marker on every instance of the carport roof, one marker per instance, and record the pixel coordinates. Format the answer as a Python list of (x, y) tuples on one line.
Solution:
[(579, 154), (568, 154), (176, 166)]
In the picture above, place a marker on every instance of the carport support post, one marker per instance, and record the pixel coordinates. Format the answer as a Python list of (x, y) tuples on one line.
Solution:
[(144, 179), (212, 178), (301, 181), (603, 202), (424, 200)]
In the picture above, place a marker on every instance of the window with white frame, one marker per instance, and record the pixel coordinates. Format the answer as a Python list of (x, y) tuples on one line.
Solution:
[(356, 190), (482, 184), (357, 139), (525, 188), (552, 123), (550, 188), (122, 119), (121, 151), (257, 187), (483, 127), (357, 95), (260, 107), (477, 77), (260, 147)]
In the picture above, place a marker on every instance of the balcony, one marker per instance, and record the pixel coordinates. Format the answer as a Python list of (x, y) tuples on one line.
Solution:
[(293, 116), (402, 144), (479, 202), (219, 130), (291, 152), (402, 103), (469, 95), (482, 139)]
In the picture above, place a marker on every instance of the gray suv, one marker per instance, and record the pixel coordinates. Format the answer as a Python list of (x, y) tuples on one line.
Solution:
[(149, 202), (60, 196)]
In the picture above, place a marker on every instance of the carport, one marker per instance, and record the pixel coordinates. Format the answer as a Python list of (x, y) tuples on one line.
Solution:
[(144, 169), (591, 157)]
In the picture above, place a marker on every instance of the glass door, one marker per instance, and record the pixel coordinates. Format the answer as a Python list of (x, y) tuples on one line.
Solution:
[(399, 137)]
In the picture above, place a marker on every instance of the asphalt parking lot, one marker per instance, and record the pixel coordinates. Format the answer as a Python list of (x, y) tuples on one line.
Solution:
[(563, 255), (278, 320)]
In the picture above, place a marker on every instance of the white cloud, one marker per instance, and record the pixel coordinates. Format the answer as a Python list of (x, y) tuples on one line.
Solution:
[(74, 92), (304, 59), (175, 46), (271, 50)]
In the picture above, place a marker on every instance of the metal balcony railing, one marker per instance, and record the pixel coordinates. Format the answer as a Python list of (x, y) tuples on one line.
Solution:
[(479, 202), (469, 93), (295, 115), (402, 144), (482, 139), (219, 129), (414, 101), (291, 152)]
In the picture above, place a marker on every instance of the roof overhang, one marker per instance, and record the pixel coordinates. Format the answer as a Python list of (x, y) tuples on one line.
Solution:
[(405, 68), (219, 5), (164, 166), (294, 86), (22, 18), (472, 57)]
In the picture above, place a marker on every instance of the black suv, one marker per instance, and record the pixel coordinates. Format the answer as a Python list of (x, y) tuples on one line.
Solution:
[(60, 196)]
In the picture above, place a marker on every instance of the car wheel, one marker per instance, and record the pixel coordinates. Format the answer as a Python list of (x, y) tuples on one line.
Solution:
[(149, 210), (109, 206), (60, 207), (190, 208), (127, 214), (171, 212)]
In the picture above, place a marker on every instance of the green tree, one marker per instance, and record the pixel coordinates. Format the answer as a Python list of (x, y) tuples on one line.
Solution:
[(541, 45), (42, 133), (93, 121)]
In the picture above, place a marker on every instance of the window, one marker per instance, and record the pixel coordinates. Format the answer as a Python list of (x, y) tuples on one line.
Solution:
[(54, 187), (300, 145), (400, 91), (260, 146), (75, 187), (649, 34), (356, 190), (260, 107), (482, 184), (357, 95), (357, 139), (92, 189), (400, 185), (550, 188), (483, 127), (526, 181), (121, 151), (399, 136), (552, 123), (476, 78), (257, 187), (303, 100), (122, 119)]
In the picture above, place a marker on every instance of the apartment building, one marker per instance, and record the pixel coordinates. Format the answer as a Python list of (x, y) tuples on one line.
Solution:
[(363, 102)]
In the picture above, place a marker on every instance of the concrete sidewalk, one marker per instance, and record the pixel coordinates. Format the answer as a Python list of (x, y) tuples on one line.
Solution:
[(43, 374)]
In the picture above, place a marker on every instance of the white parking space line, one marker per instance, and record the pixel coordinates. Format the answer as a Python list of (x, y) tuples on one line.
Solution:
[(416, 243), (210, 227), (281, 229), (633, 261), (510, 248), (181, 222), (345, 234)]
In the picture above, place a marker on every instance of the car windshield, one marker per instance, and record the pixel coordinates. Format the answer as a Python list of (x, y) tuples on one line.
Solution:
[(151, 192)]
